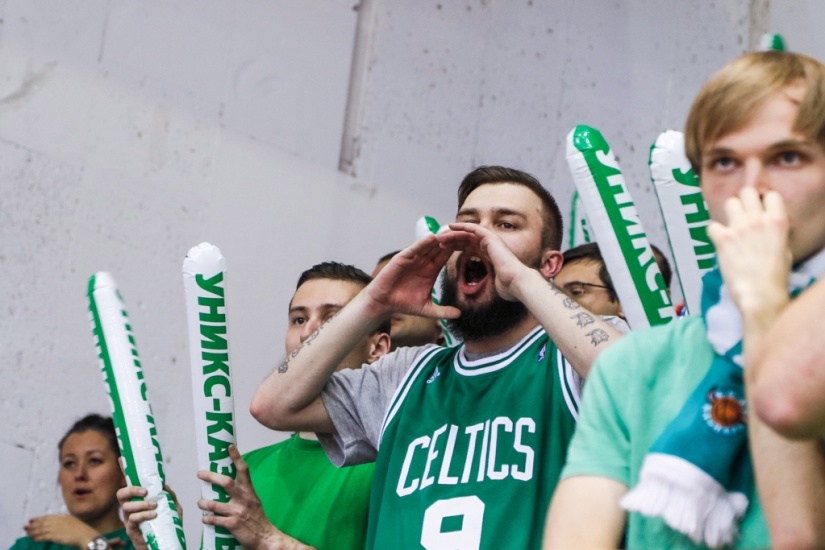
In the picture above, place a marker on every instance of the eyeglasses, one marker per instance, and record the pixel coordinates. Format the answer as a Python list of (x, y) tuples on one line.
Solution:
[(575, 289)]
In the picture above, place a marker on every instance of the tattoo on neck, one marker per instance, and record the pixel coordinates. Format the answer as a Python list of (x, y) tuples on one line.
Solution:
[(598, 336), (284, 366), (583, 319)]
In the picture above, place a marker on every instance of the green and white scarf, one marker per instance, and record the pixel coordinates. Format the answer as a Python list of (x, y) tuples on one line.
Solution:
[(698, 473)]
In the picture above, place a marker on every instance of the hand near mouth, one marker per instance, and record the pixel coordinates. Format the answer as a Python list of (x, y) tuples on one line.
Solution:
[(405, 284), (489, 246)]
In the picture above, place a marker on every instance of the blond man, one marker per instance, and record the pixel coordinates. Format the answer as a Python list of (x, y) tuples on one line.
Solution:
[(755, 135)]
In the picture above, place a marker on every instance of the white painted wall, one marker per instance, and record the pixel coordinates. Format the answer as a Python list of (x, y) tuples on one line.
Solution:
[(131, 131)]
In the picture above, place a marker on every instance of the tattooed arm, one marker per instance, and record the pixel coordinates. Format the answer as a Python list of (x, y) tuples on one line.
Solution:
[(580, 335), (289, 398)]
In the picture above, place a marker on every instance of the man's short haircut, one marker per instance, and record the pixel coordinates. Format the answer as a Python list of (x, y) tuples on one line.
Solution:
[(732, 95), (664, 265), (387, 257), (104, 425), (551, 235), (590, 253), (340, 272)]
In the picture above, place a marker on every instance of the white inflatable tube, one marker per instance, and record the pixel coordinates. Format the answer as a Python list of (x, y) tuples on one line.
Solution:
[(132, 414), (685, 214), (204, 283), (618, 230)]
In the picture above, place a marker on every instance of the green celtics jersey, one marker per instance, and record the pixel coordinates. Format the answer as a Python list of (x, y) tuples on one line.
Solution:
[(471, 450)]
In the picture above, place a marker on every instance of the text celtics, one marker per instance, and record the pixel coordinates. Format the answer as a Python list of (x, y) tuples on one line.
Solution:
[(495, 450)]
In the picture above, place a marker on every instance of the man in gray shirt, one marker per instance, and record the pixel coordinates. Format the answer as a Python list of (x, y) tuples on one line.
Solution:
[(499, 257)]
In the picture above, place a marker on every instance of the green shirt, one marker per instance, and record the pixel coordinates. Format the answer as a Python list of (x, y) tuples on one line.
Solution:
[(308, 498), (25, 543), (471, 449), (635, 389)]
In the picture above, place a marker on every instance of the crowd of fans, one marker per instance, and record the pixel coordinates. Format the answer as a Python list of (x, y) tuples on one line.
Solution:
[(551, 425)]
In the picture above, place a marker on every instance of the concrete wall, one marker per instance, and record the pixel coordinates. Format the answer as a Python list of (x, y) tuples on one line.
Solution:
[(131, 131)]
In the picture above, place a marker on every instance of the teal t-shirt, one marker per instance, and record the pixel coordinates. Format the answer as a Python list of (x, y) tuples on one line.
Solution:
[(304, 495), (635, 389), (25, 543)]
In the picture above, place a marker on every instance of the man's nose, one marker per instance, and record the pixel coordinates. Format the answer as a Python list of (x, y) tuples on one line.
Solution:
[(309, 327), (755, 175)]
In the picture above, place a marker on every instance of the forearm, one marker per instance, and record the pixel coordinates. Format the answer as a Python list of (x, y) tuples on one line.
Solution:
[(788, 372), (790, 475), (298, 380), (580, 335)]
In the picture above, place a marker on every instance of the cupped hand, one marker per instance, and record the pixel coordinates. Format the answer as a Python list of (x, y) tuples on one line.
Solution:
[(475, 238), (752, 250), (405, 284), (62, 529)]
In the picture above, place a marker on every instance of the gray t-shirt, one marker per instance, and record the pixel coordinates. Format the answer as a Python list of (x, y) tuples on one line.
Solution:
[(357, 400)]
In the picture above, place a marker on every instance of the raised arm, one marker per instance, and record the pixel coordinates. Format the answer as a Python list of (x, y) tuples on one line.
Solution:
[(755, 263), (580, 335), (289, 398), (788, 372)]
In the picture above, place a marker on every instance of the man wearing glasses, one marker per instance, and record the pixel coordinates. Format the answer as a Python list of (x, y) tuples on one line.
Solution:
[(584, 277)]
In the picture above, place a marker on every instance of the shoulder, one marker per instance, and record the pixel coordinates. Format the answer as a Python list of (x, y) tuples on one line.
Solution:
[(390, 367), (647, 348), (257, 456)]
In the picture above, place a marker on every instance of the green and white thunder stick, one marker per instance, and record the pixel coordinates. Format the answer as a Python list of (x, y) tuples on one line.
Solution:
[(616, 226), (424, 226), (771, 41), (131, 411), (204, 283), (579, 227), (685, 213)]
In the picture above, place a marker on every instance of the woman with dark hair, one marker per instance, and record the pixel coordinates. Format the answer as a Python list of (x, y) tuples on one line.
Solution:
[(89, 477)]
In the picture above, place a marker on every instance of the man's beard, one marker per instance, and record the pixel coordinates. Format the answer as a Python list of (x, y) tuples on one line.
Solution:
[(484, 320)]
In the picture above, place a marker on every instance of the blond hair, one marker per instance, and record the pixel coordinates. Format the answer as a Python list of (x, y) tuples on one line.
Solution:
[(730, 97)]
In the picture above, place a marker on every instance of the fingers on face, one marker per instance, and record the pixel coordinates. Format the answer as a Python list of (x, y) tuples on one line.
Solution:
[(775, 205), (441, 312), (751, 201), (735, 211)]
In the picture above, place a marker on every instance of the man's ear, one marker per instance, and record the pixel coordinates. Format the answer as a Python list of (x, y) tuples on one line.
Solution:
[(620, 313), (551, 262), (379, 345)]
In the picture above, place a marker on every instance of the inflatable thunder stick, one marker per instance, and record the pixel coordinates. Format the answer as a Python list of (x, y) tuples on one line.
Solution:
[(579, 227), (685, 214), (132, 414), (423, 227), (615, 224), (204, 282)]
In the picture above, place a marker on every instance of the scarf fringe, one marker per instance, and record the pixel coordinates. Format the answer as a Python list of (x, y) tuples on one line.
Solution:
[(688, 499)]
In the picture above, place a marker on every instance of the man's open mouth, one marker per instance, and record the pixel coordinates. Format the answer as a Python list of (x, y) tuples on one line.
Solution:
[(474, 273), (82, 492)]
